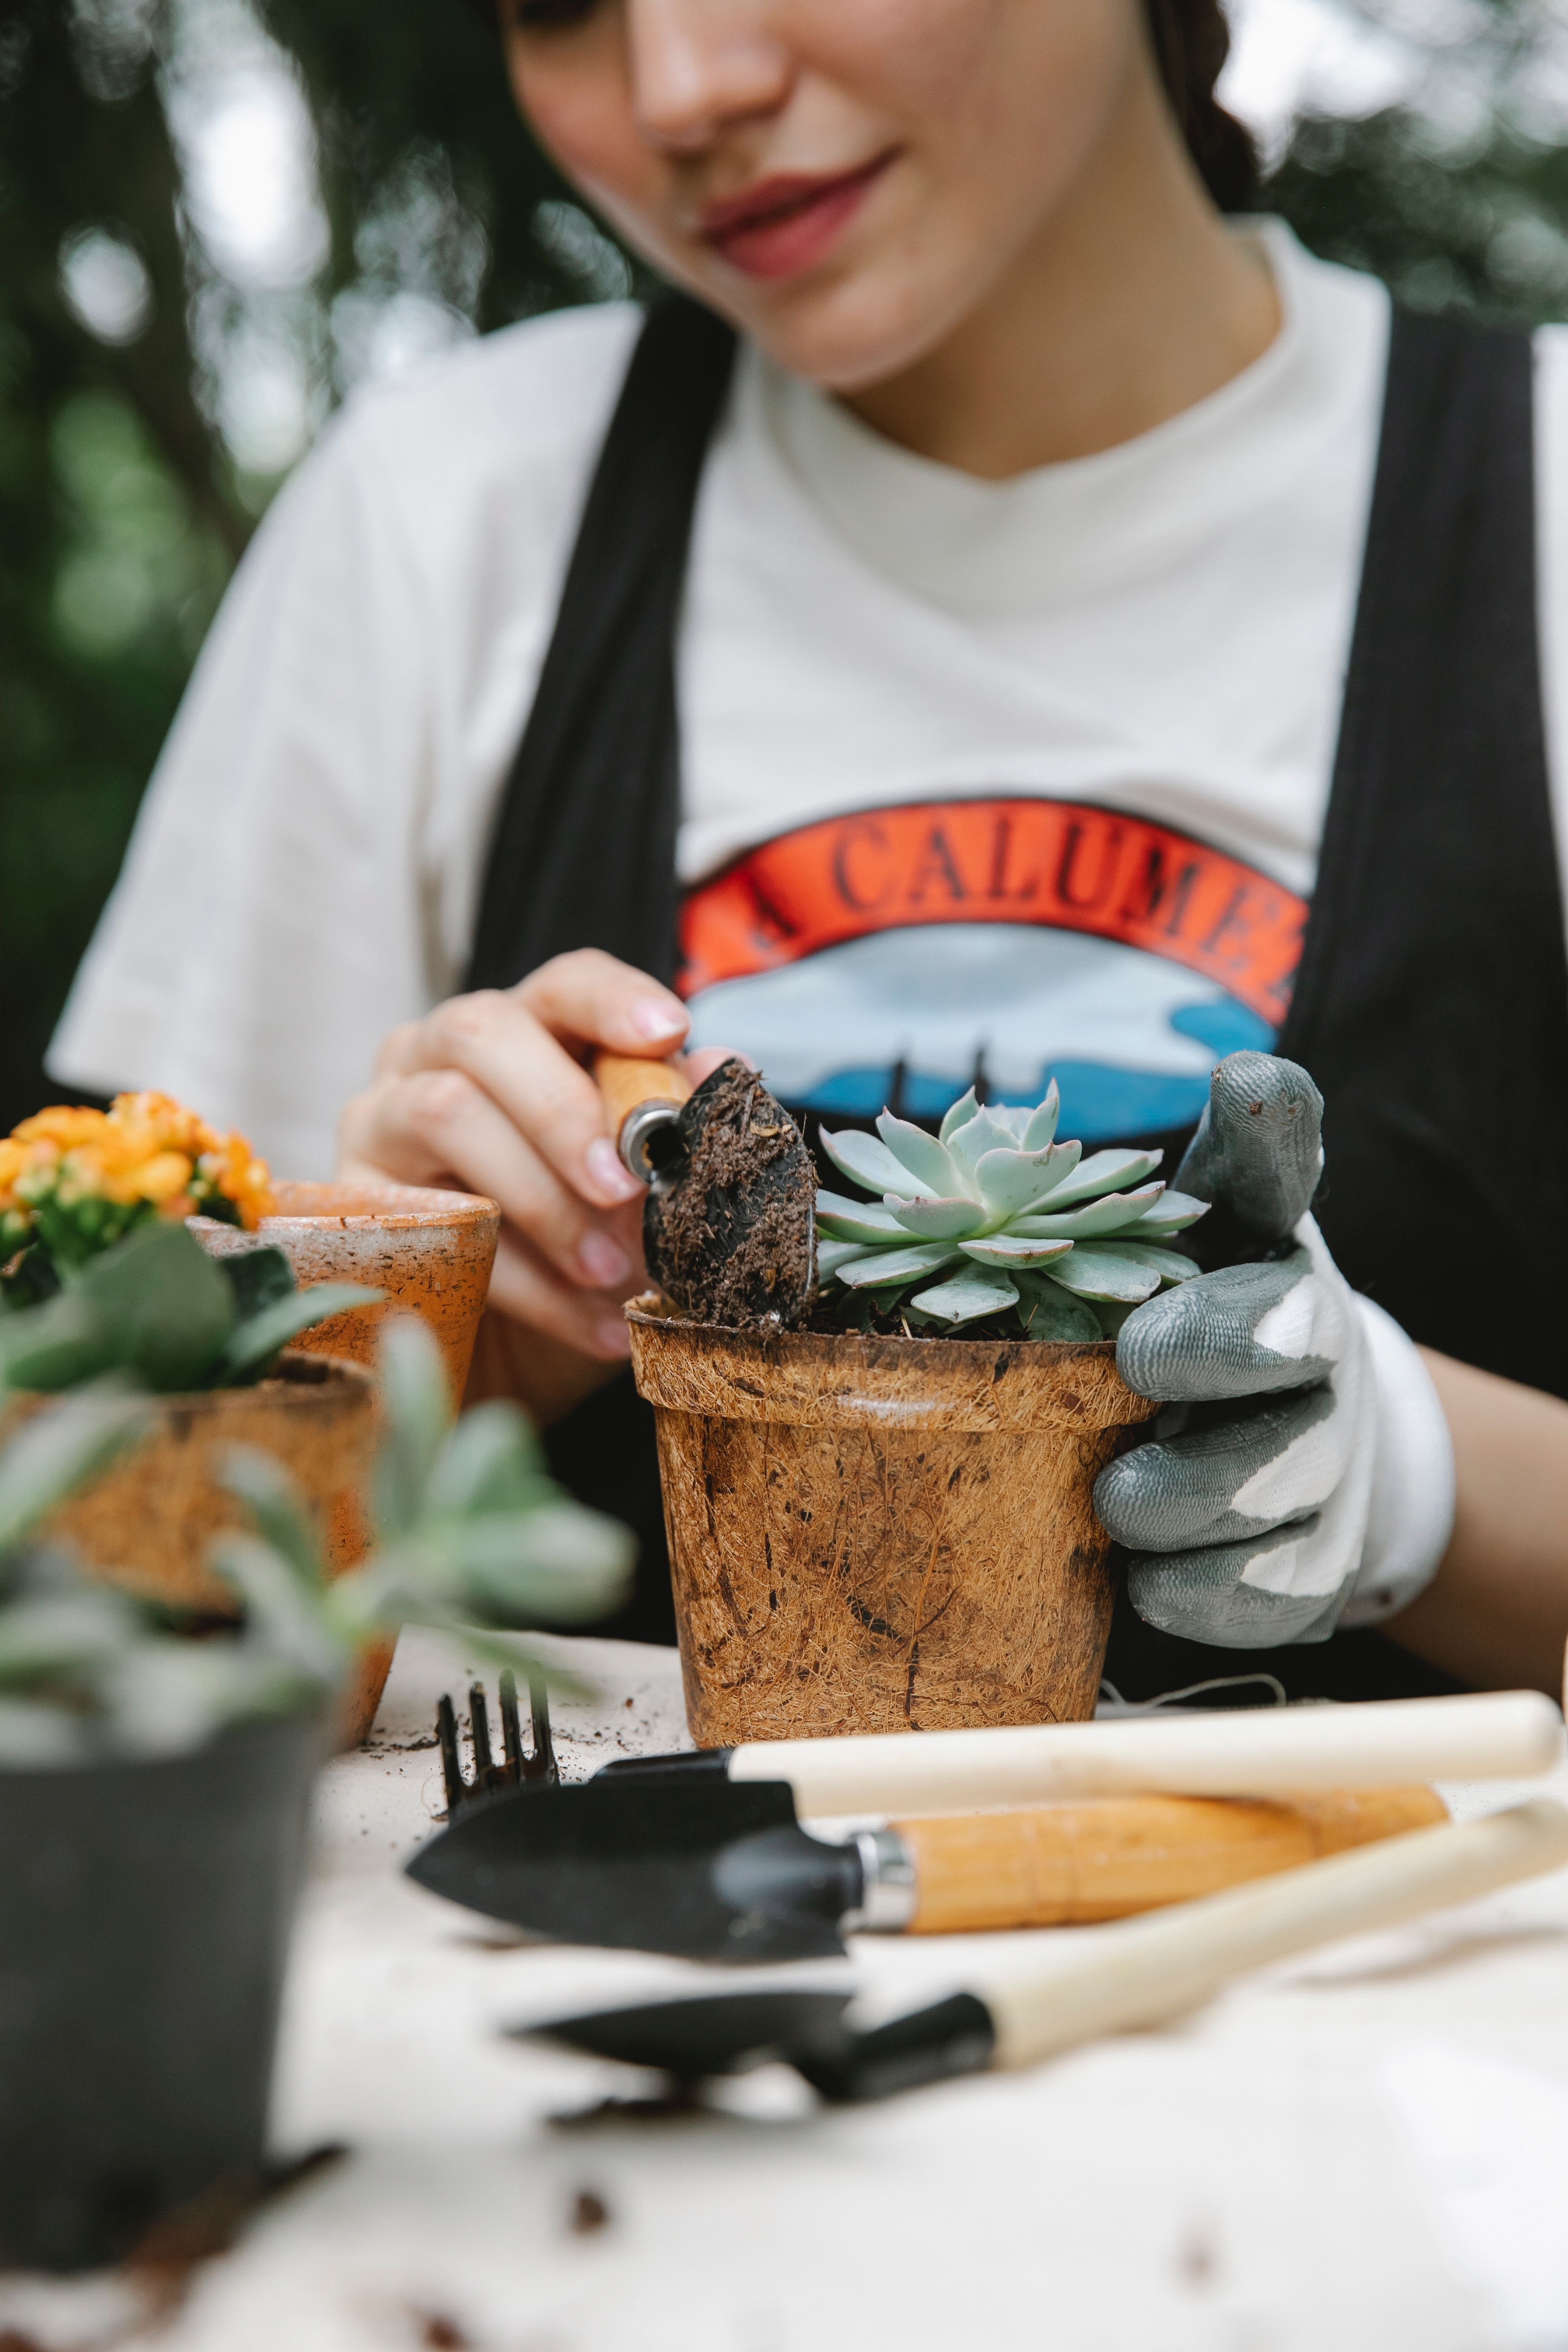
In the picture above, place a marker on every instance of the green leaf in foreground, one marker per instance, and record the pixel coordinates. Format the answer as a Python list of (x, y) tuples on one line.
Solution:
[(156, 1309), (484, 1541), (60, 1448), (253, 1346)]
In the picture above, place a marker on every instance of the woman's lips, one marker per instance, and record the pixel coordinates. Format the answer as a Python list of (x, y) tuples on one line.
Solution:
[(784, 224)]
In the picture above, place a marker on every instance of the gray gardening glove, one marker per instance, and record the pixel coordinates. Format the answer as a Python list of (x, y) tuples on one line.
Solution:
[(1321, 1489)]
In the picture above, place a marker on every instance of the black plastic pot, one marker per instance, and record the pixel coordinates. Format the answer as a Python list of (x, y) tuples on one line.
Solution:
[(144, 1918)]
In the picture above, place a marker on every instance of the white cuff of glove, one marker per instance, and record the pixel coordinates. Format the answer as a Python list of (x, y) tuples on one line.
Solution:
[(1411, 1516)]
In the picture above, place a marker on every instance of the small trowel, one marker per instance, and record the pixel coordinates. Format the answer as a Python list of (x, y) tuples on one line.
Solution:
[(704, 1854), (1139, 1972), (728, 1229), (722, 1870)]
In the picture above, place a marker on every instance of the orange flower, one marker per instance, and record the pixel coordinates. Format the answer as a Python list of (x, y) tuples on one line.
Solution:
[(145, 1148), (60, 1126), (241, 1177), (13, 1160), (85, 1173), (160, 1178), (166, 1124)]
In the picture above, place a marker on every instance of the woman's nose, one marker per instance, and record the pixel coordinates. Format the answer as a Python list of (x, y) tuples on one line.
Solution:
[(700, 64)]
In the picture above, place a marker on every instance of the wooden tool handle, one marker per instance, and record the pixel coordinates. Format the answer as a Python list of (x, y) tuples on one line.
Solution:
[(627, 1083), (1277, 1751), (1146, 1971), (1072, 1863)]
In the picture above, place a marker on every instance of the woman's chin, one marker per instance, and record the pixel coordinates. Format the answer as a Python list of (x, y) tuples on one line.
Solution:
[(845, 330)]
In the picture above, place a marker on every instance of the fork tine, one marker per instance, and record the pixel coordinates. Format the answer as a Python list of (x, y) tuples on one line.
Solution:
[(451, 1761), (541, 1765), (515, 1768), (479, 1732), (510, 1731)]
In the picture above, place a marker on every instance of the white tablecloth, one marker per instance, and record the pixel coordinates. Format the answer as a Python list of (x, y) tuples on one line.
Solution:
[(1365, 2149)]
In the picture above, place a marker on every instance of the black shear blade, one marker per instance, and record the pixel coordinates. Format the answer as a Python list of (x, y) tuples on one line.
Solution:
[(717, 1871)]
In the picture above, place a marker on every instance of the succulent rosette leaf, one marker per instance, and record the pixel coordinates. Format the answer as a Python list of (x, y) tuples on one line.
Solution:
[(1010, 1220)]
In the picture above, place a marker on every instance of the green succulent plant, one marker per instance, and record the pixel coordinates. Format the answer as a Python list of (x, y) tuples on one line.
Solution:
[(993, 1216), (472, 1533), (156, 1309), (472, 1537), (87, 1670)]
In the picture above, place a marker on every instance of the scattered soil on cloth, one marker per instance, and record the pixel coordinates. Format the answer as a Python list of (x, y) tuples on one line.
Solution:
[(681, 2104)]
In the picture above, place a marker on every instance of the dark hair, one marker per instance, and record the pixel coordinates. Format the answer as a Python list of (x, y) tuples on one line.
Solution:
[(1191, 41)]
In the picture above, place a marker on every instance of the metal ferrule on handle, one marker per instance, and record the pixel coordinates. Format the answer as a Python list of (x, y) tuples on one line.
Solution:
[(643, 1100), (647, 1139), (890, 1895), (1275, 1751), (1146, 1971)]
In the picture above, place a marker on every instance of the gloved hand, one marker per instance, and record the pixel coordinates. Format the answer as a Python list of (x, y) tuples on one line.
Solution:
[(1321, 1488)]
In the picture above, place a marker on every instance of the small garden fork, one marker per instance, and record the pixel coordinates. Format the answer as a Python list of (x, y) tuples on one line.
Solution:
[(514, 1769)]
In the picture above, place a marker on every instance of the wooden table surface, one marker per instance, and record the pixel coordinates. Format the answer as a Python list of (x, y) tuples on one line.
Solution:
[(1367, 2148)]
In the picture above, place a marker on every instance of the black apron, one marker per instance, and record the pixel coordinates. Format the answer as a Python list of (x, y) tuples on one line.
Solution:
[(1431, 1002)]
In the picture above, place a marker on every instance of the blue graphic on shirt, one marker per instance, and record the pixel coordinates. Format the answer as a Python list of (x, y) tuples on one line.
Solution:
[(1226, 1026), (913, 1015)]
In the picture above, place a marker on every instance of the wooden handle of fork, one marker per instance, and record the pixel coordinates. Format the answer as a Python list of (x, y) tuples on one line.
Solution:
[(1267, 1751), (1066, 1865)]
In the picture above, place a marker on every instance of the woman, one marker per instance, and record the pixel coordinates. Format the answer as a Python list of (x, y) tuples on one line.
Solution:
[(1006, 582)]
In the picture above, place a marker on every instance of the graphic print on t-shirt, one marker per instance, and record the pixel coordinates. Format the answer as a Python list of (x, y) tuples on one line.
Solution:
[(1077, 942)]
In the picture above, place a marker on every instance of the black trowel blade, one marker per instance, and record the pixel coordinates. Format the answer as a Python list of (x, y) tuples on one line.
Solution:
[(718, 1870), (728, 1229), (728, 2034)]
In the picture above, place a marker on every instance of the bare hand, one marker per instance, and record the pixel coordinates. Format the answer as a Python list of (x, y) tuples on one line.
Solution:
[(488, 1094)]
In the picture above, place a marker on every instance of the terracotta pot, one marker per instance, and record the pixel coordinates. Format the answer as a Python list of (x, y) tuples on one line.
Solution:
[(432, 1252), (147, 1523), (882, 1534)]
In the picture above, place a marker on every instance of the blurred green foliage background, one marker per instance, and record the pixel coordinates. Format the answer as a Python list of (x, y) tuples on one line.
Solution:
[(161, 368)]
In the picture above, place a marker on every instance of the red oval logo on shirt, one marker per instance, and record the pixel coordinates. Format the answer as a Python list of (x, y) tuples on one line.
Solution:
[(1063, 864)]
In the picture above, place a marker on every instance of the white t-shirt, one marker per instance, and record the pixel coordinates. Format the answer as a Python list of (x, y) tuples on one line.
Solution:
[(1027, 776)]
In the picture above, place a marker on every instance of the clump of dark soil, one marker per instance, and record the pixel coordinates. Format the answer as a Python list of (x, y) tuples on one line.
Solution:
[(729, 1235)]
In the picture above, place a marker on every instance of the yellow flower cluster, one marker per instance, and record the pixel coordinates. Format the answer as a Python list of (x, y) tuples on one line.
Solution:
[(146, 1152)]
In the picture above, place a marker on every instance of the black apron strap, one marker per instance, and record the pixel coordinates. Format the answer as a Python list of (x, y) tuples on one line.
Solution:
[(1431, 1005), (583, 851)]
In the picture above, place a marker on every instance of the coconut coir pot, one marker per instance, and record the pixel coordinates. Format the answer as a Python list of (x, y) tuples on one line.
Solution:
[(148, 1522), (882, 1534)]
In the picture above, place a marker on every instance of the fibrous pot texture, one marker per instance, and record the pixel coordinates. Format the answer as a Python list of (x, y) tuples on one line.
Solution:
[(147, 1521), (882, 1534)]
